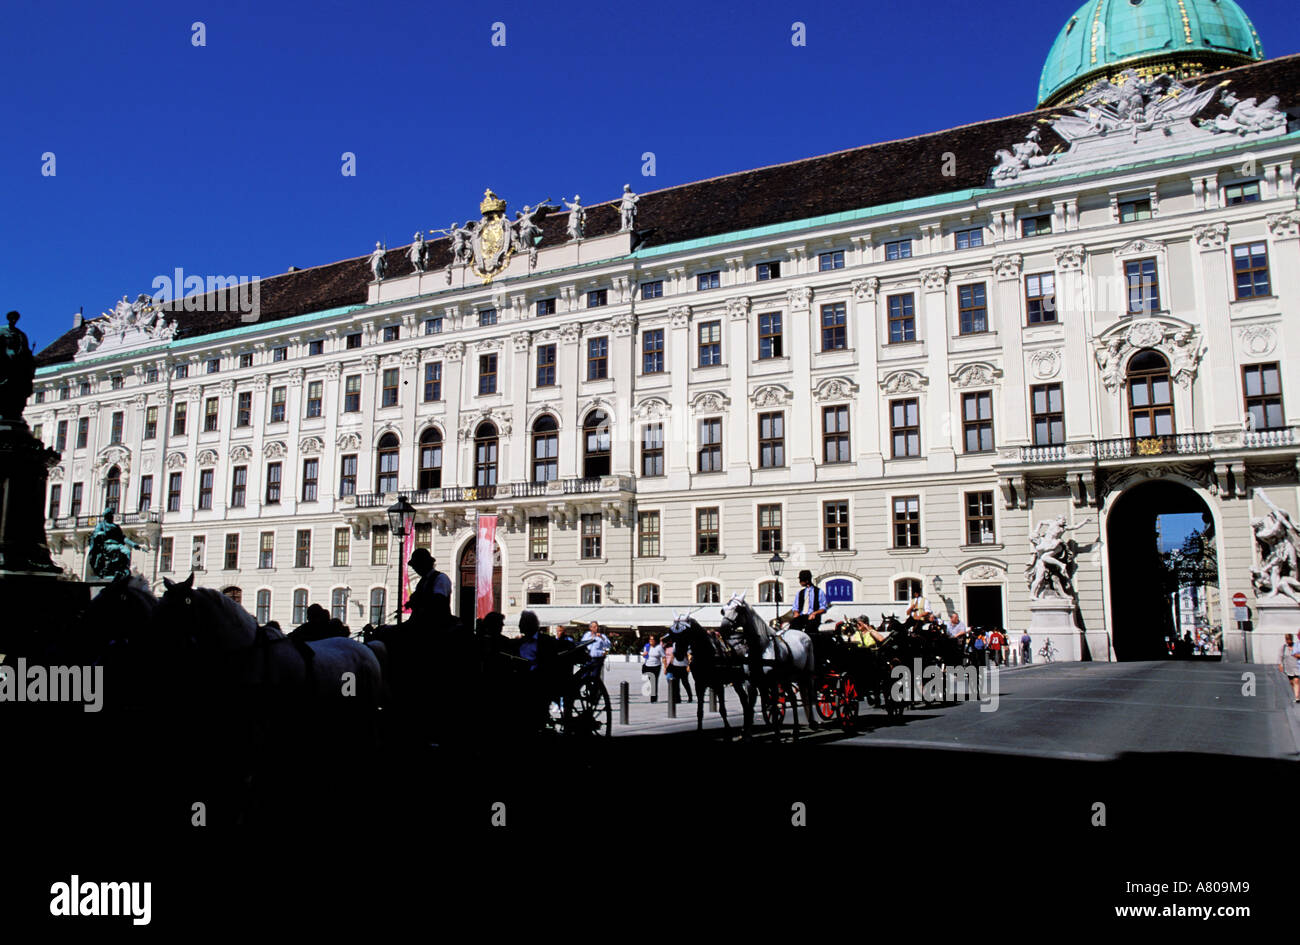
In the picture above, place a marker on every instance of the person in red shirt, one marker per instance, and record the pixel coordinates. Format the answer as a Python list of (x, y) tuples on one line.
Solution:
[(996, 640)]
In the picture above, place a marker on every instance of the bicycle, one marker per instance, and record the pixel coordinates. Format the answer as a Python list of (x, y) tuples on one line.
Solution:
[(1048, 652)]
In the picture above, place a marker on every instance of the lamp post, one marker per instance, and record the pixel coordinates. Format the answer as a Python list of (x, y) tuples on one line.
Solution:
[(609, 592), (400, 517), (776, 564)]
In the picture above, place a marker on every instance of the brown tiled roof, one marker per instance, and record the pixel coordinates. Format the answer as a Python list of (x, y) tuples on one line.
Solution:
[(868, 176)]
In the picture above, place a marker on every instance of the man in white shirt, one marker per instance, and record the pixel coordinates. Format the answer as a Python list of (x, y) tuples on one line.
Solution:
[(597, 645), (957, 627), (919, 608), (809, 604)]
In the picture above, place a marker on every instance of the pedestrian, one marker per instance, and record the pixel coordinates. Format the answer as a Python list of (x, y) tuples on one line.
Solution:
[(1289, 666), (652, 658), (981, 652), (995, 645), (562, 637), (597, 646), (678, 671), (1026, 648), (956, 626)]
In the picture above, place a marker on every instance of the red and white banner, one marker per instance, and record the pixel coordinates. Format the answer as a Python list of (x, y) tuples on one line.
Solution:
[(484, 603), (408, 545)]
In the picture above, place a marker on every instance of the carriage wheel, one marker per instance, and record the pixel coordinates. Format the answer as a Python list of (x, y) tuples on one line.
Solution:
[(774, 698), (587, 711), (848, 707), (827, 697)]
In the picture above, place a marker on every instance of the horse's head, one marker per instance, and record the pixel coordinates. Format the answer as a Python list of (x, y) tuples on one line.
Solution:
[(735, 611), (211, 619)]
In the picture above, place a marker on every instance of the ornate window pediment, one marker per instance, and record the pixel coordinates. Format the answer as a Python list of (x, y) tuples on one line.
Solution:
[(1179, 341), (835, 388), (975, 374), (710, 401), (904, 382)]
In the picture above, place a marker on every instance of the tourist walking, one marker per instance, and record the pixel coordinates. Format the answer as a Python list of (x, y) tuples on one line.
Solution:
[(1026, 648), (678, 672), (1289, 666), (597, 645), (652, 658), (995, 645)]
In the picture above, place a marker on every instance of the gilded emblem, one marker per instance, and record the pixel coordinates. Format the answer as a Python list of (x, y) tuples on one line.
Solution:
[(1150, 447)]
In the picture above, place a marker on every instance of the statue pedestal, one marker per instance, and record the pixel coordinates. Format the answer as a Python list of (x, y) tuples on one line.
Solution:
[(1274, 617), (1052, 618), (24, 462)]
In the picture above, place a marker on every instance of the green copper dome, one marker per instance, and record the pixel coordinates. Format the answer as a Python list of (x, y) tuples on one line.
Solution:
[(1181, 37)]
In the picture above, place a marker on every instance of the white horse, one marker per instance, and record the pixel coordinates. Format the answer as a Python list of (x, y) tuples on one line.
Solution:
[(786, 656)]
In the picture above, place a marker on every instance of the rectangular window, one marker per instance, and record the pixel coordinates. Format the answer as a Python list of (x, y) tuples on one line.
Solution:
[(278, 398), (546, 355), (907, 521), (198, 552), (487, 374), (1131, 211), (146, 493), (390, 333), (539, 538), (232, 552), (348, 474), (546, 306), (263, 615), (151, 375), (280, 354), (214, 365), (979, 519), (969, 239), (244, 409), (85, 389), (652, 449), (972, 309), (597, 297), (828, 261), (272, 484), (315, 397), (710, 454), (1040, 298), (424, 535), (302, 549), (771, 440), (652, 290), (56, 495), (771, 344), (238, 487), (206, 478), (1250, 269), (433, 326), (977, 421), (310, 477), (590, 524), (835, 525), (352, 341), (165, 547), (432, 381), (835, 434), (769, 528), (74, 503), (898, 249), (487, 316), (1143, 288), (767, 270), (708, 280), (652, 351), (835, 335), (150, 423), (1036, 226), (246, 359), (342, 547), (266, 550), (597, 359), (61, 436), (379, 545), (38, 431), (83, 432), (710, 334), (707, 531), (174, 492), (1243, 192), (905, 427), (115, 427), (391, 378), (352, 393), (1262, 384), (1048, 414), (300, 605), (211, 411), (902, 318), (647, 533)]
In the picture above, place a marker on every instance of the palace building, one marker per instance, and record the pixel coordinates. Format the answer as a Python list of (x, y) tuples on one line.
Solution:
[(890, 364)]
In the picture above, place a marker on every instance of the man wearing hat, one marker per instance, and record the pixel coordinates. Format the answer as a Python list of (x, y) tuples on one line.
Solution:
[(809, 605), (431, 600)]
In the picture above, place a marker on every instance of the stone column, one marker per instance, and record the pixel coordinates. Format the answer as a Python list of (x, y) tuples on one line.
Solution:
[(941, 426), (864, 414), (1080, 385), (679, 425), (1006, 318)]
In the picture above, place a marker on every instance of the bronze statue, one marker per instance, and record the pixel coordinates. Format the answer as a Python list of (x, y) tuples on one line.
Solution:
[(110, 550), (17, 368)]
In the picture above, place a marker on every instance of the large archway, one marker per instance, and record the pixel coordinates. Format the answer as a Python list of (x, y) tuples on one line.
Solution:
[(1163, 568), (466, 591)]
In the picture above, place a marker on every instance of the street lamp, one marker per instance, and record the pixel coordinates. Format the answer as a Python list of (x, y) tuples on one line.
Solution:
[(776, 564), (609, 591), (400, 517)]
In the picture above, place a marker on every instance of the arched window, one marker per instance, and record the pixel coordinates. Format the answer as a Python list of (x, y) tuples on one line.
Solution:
[(595, 445), (905, 589), (431, 459), (378, 597), (647, 594), (264, 606), (300, 606), (769, 592), (1150, 395), (339, 604), (546, 449), (386, 467), (234, 593), (485, 455), (590, 594), (708, 593), (113, 489)]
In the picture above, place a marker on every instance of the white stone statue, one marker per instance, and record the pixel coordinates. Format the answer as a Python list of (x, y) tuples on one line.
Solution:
[(1025, 154), (377, 264), (462, 244), (1279, 547), (627, 206), (90, 340), (577, 217), (416, 252), (526, 230), (1246, 116), (1048, 576), (1111, 359)]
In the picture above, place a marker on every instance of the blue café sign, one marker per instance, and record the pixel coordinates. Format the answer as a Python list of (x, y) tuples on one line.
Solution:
[(839, 591)]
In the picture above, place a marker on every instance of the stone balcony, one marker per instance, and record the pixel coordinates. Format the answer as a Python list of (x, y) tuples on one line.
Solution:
[(454, 507), (75, 530), (1221, 457)]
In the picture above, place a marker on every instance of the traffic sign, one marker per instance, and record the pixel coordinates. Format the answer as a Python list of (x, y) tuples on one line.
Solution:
[(1238, 599), (1240, 614)]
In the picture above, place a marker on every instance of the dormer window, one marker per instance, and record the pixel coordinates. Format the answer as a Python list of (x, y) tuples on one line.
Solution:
[(968, 239), (767, 270), (1134, 210), (1246, 191)]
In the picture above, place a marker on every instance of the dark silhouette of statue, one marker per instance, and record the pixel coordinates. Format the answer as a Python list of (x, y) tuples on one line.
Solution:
[(17, 368), (110, 550)]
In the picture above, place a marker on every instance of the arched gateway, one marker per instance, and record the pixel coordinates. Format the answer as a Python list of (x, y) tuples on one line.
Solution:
[(1163, 567), (468, 579)]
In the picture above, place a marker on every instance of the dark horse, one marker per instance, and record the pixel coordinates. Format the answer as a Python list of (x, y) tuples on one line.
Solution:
[(715, 665)]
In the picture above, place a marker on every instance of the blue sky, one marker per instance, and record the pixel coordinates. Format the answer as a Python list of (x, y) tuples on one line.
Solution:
[(225, 159)]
